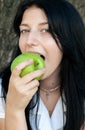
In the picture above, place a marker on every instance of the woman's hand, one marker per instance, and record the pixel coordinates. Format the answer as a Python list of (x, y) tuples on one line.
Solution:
[(22, 89)]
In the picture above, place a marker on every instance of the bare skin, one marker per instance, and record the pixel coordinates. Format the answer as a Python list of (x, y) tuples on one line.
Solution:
[(20, 89), (2, 124)]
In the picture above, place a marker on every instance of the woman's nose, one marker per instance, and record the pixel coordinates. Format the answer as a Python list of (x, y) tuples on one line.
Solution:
[(32, 39)]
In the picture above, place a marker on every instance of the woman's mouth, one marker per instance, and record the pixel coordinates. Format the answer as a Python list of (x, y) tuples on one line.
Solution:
[(43, 57)]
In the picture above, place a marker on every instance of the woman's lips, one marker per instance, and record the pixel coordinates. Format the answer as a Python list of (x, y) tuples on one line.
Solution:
[(38, 54)]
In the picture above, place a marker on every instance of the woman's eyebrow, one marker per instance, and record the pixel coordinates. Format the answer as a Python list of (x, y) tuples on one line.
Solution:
[(26, 25), (43, 23)]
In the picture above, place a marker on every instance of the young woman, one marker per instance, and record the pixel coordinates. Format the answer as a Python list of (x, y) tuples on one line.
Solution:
[(54, 30)]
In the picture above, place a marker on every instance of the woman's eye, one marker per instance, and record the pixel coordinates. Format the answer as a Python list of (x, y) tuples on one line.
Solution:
[(24, 31), (45, 30)]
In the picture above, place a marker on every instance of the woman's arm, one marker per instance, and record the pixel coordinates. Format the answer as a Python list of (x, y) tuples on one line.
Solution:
[(15, 120), (20, 92)]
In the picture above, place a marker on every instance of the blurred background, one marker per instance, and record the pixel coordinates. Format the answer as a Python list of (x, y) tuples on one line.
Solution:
[(8, 39)]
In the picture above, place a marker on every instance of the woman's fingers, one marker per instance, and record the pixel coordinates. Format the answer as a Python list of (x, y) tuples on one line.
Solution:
[(21, 94), (31, 88), (33, 75), (23, 88)]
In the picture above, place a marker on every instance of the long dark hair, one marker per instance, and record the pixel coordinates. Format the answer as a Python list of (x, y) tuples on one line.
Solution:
[(65, 23)]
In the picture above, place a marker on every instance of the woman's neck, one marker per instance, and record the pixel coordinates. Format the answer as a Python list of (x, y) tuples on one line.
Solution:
[(50, 100), (51, 82)]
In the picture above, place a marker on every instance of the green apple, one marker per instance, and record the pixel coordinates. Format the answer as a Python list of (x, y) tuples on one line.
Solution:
[(38, 63)]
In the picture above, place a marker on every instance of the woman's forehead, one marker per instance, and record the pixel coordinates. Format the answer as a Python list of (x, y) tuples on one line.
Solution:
[(34, 13)]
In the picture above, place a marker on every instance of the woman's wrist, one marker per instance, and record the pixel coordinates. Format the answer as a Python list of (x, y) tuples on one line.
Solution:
[(14, 119)]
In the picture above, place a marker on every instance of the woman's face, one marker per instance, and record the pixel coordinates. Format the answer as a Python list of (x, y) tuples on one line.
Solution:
[(35, 37)]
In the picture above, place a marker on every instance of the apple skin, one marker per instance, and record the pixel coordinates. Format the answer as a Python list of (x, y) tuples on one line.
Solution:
[(38, 63)]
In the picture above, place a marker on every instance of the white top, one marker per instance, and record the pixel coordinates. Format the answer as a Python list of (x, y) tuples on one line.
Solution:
[(2, 103), (44, 121)]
